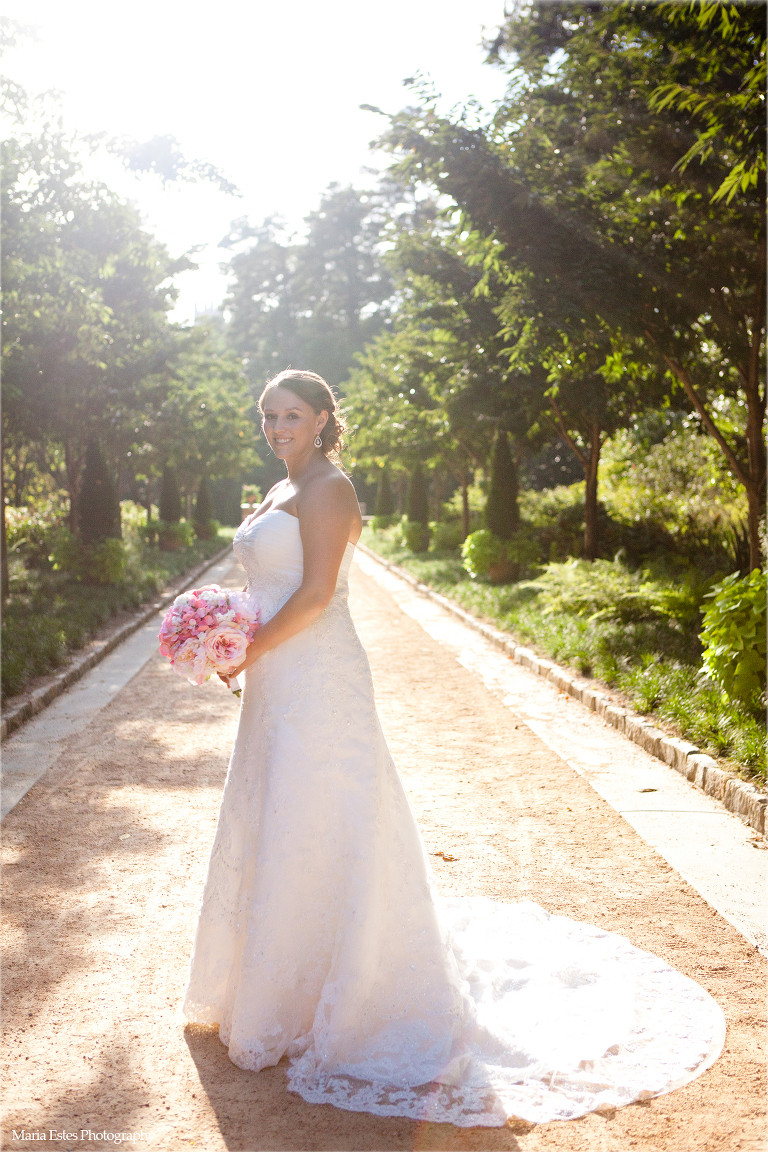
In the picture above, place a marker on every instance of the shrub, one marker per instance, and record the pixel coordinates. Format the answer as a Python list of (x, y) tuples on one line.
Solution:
[(379, 523), (99, 509), (173, 537), (502, 516), (415, 535), (482, 551), (445, 536), (486, 556), (170, 497), (733, 637), (30, 530), (102, 563)]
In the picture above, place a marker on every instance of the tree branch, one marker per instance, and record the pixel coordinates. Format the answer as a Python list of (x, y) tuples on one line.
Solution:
[(737, 469), (566, 434)]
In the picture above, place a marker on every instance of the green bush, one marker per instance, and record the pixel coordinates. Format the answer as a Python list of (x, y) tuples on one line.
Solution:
[(174, 537), (102, 563), (482, 551), (415, 535), (734, 638), (444, 536), (30, 531), (379, 523), (485, 556)]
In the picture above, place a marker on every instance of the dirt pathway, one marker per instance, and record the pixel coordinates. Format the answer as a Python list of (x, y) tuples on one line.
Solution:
[(105, 862)]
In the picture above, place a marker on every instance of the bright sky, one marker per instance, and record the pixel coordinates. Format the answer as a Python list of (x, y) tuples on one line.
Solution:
[(268, 92)]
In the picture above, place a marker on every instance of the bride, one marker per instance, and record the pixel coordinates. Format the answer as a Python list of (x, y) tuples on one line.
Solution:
[(321, 935)]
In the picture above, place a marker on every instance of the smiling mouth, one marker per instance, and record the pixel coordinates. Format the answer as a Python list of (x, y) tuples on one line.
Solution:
[(282, 442)]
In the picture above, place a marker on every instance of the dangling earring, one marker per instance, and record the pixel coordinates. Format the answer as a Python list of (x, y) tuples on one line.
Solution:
[(318, 442)]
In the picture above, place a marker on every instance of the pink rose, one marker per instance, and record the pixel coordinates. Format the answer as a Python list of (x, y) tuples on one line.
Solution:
[(225, 647)]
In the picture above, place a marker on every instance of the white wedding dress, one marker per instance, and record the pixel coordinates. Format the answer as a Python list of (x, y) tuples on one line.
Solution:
[(321, 935)]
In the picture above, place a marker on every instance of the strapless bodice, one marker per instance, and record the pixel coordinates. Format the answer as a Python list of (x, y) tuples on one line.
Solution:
[(269, 548)]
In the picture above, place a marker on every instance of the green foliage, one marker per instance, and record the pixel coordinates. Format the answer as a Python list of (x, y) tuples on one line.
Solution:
[(608, 590), (734, 637), (174, 537), (103, 563), (385, 500), (444, 536), (98, 508), (170, 497), (487, 556), (415, 534), (678, 480), (502, 516), (482, 551), (379, 523), (416, 502), (29, 528)]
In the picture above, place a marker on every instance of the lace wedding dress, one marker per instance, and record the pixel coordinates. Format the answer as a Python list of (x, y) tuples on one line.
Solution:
[(321, 935)]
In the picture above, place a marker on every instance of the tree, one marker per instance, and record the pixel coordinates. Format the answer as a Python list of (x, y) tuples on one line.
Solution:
[(313, 302), (99, 510), (577, 191), (502, 515)]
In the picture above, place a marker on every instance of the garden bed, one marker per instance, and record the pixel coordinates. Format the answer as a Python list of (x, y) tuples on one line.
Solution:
[(654, 663)]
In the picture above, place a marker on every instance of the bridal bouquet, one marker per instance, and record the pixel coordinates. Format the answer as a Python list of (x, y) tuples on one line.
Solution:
[(207, 631)]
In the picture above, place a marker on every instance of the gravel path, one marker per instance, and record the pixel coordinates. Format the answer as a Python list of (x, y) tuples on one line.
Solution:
[(105, 859)]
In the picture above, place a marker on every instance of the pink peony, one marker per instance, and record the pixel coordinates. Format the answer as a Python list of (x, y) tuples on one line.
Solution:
[(225, 647), (190, 662)]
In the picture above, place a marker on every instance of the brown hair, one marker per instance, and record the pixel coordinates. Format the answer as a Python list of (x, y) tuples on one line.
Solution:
[(316, 392)]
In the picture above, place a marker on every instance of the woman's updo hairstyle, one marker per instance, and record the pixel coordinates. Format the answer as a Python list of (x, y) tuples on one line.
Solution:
[(316, 392)]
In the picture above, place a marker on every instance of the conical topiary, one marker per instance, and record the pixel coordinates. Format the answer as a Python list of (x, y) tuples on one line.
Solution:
[(170, 497), (203, 503), (203, 517), (385, 500), (502, 515), (99, 510), (417, 503)]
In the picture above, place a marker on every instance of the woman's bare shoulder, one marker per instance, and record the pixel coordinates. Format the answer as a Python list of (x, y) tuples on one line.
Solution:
[(331, 486)]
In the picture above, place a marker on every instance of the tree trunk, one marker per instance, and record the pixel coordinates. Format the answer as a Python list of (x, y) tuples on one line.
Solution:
[(464, 504), (591, 531)]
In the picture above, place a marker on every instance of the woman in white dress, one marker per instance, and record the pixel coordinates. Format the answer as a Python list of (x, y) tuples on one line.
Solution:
[(321, 936)]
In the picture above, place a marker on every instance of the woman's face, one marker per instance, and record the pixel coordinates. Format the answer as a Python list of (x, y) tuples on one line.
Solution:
[(290, 424)]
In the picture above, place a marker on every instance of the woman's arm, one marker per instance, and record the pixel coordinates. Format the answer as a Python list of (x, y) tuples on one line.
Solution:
[(327, 511)]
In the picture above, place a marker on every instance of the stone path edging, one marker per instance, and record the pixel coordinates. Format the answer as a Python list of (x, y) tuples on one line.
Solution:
[(41, 697), (739, 797)]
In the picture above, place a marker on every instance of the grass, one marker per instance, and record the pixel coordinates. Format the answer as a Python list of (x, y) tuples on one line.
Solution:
[(654, 662), (49, 615)]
